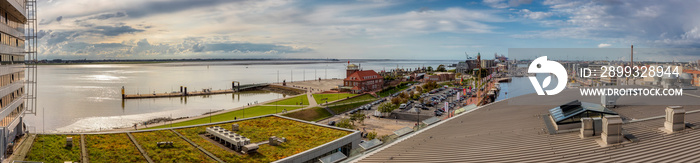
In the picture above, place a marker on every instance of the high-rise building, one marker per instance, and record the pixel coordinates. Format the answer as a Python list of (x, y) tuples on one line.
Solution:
[(14, 33)]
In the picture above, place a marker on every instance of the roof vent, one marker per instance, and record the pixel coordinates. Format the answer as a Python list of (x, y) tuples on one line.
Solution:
[(675, 119), (612, 129)]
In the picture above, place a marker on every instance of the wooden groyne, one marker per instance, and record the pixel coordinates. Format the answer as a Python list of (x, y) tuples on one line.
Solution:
[(184, 92)]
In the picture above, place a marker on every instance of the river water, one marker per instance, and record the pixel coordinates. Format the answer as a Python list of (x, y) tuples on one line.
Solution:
[(73, 98)]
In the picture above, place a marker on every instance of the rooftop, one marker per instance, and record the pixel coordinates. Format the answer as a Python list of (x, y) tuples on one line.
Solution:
[(117, 147), (502, 132), (363, 76)]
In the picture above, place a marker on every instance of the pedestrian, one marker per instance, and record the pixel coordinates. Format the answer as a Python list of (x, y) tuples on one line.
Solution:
[(135, 127)]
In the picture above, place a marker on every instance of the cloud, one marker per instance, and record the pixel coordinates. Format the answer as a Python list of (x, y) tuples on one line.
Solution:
[(114, 30), (505, 3), (534, 14), (603, 45), (646, 22), (253, 47), (109, 15)]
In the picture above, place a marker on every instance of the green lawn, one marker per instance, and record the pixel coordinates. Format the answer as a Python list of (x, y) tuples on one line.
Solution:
[(300, 136), (338, 109), (392, 90), (313, 114), (320, 98), (180, 152), (112, 148), (361, 98), (51, 148), (248, 112), (292, 101), (319, 113)]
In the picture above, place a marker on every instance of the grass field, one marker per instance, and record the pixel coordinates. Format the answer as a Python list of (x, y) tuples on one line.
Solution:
[(300, 136), (180, 152), (292, 101), (51, 148), (320, 98), (364, 97), (318, 113), (112, 148), (313, 114), (346, 107), (392, 90), (248, 112)]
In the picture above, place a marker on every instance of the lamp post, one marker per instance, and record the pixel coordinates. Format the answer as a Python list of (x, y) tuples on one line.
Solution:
[(417, 117)]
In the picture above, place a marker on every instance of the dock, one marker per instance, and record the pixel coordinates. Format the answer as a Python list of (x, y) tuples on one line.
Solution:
[(183, 92), (505, 79)]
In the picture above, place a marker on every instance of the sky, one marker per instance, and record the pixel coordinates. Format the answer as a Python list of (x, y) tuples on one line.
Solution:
[(360, 29)]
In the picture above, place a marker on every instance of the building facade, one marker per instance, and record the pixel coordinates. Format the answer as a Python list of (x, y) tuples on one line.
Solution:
[(12, 71), (360, 81)]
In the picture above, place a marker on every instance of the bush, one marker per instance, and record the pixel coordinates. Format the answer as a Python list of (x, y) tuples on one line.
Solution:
[(357, 117), (345, 123), (386, 107), (371, 135)]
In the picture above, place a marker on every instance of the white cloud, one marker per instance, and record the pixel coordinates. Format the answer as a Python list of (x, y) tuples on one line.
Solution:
[(603, 45), (505, 3), (649, 23), (535, 15), (314, 31)]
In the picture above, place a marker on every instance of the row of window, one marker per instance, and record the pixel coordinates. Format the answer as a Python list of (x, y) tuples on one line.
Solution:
[(6, 59), (11, 40), (370, 77), (13, 115), (374, 83), (4, 101), (12, 21), (11, 78)]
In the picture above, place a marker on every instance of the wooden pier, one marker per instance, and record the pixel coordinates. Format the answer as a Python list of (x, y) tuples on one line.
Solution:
[(184, 92)]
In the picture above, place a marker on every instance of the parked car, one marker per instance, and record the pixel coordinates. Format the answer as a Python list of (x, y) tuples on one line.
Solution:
[(332, 123), (402, 106), (438, 113)]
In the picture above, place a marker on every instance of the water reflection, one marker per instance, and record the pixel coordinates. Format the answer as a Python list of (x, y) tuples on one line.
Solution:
[(88, 97)]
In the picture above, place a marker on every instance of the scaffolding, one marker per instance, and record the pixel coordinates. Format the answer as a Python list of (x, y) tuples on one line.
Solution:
[(31, 43)]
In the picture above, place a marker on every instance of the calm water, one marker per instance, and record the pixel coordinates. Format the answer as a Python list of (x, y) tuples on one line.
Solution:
[(88, 98), (516, 87)]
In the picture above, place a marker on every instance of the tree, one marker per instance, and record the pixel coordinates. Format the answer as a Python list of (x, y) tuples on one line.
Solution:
[(419, 88), (430, 68), (430, 85), (396, 100), (386, 107), (403, 95), (441, 68), (345, 123), (359, 117)]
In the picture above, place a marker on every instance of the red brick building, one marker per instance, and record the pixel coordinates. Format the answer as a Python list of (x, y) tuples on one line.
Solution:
[(363, 81)]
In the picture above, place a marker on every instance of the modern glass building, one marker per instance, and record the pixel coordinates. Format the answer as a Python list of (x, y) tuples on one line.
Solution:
[(13, 52)]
